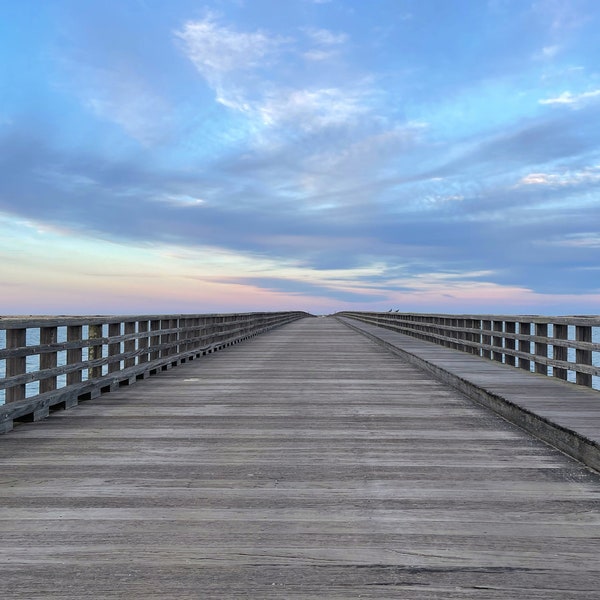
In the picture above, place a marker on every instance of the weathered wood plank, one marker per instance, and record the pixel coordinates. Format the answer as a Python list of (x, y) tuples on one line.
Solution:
[(523, 398), (124, 366), (309, 463), (496, 339)]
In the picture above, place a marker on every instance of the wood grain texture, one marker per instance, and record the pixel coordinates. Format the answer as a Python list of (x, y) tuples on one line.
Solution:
[(562, 414), (496, 338), (306, 463)]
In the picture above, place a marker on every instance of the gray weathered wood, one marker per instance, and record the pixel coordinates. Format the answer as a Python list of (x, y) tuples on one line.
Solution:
[(48, 360), (75, 354), (309, 464), (564, 415), (496, 338), (178, 338), (37, 406), (17, 365), (583, 357)]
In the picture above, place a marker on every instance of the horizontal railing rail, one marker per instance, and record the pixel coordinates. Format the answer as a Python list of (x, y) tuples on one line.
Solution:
[(48, 363), (565, 347)]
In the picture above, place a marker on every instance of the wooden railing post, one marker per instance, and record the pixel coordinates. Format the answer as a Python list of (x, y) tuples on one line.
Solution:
[(453, 333), (561, 332), (74, 355), (94, 352), (114, 348), (583, 333), (165, 338), (525, 345), (486, 339), (197, 331), (48, 360), (143, 341), (477, 337), (497, 341), (509, 342), (174, 338), (462, 335), (184, 334), (541, 348), (155, 338), (129, 345), (472, 336), (16, 338)]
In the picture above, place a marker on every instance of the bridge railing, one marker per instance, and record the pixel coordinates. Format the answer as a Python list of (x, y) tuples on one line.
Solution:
[(54, 362), (566, 347)]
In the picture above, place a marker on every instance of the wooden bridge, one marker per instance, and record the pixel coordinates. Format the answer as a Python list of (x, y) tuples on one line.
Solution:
[(333, 457)]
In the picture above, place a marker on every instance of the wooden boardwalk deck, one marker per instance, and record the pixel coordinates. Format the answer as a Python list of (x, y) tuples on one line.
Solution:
[(306, 463)]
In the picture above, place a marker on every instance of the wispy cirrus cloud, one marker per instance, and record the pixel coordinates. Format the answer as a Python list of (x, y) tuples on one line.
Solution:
[(566, 178), (573, 100), (312, 108), (325, 37), (584, 240), (319, 55), (325, 44), (548, 52), (180, 200), (217, 50), (233, 63)]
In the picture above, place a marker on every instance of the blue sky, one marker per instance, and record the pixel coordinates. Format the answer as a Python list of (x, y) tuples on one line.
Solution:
[(228, 155)]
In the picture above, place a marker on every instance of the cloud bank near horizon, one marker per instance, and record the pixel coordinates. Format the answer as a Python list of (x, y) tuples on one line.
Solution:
[(414, 155)]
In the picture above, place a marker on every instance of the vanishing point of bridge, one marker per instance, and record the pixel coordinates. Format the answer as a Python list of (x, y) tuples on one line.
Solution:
[(330, 457)]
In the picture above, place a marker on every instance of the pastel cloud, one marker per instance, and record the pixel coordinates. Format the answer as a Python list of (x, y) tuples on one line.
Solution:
[(572, 100), (312, 109), (233, 63), (565, 178), (325, 37), (216, 50), (590, 240), (549, 52), (325, 44)]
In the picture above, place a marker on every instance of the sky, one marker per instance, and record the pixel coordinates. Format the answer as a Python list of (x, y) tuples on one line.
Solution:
[(199, 156)]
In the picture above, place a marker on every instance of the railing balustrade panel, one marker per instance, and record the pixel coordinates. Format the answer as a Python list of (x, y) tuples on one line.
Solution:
[(48, 361), (509, 339)]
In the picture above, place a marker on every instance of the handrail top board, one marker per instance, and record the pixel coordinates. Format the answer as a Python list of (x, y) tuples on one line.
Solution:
[(585, 320), (33, 321)]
